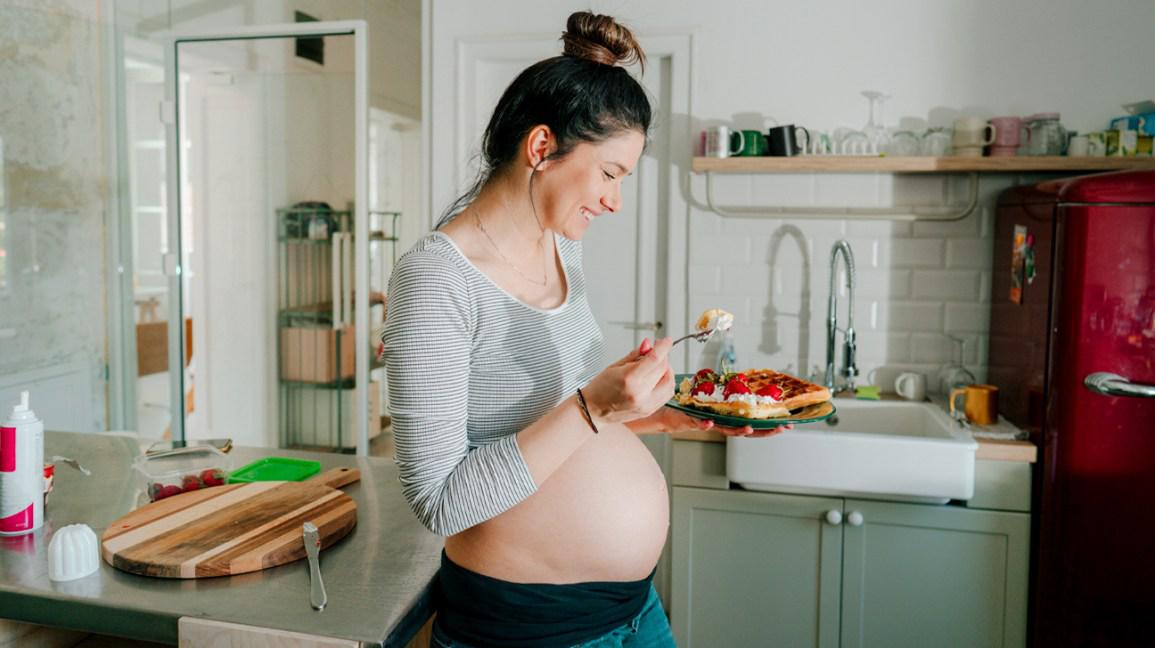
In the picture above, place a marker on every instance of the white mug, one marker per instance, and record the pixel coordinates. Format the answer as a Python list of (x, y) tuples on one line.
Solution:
[(911, 386), (718, 142), (971, 134), (1079, 146)]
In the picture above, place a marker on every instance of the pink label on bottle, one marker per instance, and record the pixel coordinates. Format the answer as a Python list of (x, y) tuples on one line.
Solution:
[(18, 521), (7, 449)]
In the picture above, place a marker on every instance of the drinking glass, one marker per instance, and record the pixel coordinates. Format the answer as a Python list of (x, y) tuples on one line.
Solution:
[(904, 143), (955, 375), (875, 130)]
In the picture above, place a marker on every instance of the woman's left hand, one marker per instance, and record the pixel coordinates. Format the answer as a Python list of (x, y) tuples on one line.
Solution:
[(667, 420)]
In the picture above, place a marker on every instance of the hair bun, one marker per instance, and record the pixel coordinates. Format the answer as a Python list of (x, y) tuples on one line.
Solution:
[(600, 39)]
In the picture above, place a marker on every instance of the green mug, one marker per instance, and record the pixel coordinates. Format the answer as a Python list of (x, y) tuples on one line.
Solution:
[(750, 143)]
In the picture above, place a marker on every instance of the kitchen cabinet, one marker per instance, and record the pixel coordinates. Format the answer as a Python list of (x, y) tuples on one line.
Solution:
[(770, 569)]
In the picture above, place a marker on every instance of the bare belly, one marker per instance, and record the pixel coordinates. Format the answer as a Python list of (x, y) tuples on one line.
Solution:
[(602, 516)]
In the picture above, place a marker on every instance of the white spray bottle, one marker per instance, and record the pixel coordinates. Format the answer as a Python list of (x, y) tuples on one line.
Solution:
[(21, 471)]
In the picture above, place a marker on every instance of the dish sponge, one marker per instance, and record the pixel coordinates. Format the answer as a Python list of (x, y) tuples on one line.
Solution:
[(868, 392)]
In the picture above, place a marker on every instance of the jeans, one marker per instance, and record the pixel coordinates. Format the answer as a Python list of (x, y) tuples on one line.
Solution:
[(650, 629)]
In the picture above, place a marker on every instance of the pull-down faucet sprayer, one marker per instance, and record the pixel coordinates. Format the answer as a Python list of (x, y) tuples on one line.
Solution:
[(849, 369)]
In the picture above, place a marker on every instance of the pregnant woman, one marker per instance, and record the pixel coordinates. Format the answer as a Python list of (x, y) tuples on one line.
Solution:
[(511, 440)]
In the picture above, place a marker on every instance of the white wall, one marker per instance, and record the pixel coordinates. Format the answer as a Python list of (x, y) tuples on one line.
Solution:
[(805, 63)]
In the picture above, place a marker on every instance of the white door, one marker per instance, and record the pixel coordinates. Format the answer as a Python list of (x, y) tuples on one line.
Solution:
[(621, 249)]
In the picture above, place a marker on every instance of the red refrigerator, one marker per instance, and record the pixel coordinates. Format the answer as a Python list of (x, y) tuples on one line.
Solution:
[(1072, 349)]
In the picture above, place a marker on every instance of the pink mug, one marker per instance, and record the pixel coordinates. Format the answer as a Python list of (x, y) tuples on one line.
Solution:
[(1007, 136)]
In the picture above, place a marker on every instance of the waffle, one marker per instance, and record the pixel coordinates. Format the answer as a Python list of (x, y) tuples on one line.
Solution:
[(797, 393)]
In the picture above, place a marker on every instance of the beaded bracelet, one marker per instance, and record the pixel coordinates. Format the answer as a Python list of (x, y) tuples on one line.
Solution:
[(586, 410)]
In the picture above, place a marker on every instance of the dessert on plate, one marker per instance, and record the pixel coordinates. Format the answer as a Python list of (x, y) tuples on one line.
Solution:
[(753, 394)]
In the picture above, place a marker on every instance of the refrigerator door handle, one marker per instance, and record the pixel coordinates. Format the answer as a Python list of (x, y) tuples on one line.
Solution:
[(1109, 384)]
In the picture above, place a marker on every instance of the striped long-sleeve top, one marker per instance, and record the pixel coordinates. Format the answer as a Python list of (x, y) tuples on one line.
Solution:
[(468, 366)]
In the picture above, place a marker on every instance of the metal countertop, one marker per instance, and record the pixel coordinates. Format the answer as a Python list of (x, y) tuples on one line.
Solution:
[(377, 577)]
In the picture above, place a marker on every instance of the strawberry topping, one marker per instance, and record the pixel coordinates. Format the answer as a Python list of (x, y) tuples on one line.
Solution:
[(703, 388), (773, 391), (735, 386)]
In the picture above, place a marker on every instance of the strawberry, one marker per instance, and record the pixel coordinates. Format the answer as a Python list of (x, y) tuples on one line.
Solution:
[(705, 374), (702, 388), (212, 477), (735, 386), (190, 483), (773, 391), (167, 491)]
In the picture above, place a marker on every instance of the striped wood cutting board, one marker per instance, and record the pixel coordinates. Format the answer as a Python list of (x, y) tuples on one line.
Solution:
[(232, 529)]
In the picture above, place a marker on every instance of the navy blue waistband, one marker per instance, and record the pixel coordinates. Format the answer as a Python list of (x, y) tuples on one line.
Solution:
[(487, 612)]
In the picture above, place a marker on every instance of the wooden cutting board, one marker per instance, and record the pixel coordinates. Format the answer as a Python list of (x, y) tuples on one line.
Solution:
[(232, 529)]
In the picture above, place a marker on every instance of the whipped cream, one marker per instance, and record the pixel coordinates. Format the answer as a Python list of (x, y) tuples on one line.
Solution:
[(715, 318), (716, 397)]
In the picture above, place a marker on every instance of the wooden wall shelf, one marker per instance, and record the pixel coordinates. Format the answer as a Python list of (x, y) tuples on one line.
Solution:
[(877, 164)]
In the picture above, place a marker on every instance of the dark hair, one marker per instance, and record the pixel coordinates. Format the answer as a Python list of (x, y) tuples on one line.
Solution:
[(584, 95)]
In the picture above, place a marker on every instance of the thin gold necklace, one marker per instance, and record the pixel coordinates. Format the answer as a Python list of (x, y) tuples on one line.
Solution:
[(544, 273)]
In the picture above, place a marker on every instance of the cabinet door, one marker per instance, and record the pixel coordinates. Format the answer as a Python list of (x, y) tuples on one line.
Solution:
[(919, 575), (754, 569)]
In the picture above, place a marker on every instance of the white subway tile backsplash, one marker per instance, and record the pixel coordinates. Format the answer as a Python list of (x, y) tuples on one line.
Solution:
[(952, 285), (918, 191), (929, 349), (897, 348), (885, 284), (783, 190), (913, 316), (846, 190), (971, 254), (720, 248), (916, 281), (880, 229), (967, 318), (742, 280), (965, 228), (917, 253)]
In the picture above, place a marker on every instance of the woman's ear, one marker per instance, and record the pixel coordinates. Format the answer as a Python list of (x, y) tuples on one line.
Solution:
[(539, 144)]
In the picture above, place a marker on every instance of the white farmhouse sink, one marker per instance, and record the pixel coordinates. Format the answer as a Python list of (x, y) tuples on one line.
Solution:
[(880, 449)]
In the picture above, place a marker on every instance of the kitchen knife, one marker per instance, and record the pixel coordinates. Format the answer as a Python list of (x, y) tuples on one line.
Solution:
[(317, 596)]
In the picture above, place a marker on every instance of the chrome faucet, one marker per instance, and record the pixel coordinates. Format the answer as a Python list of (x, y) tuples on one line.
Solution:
[(849, 369)]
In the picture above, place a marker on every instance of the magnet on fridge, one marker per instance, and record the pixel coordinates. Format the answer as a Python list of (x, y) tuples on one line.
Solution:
[(1018, 264)]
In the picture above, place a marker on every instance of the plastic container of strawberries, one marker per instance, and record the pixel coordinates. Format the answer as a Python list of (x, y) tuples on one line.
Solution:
[(181, 471)]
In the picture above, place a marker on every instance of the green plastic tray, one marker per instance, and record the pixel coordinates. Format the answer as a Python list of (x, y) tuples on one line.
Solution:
[(275, 469)]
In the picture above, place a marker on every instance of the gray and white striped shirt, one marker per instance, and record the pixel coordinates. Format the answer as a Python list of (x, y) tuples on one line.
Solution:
[(468, 367)]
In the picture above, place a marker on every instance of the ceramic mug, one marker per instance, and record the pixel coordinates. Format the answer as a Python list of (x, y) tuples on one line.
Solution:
[(911, 386), (971, 134), (1008, 136), (784, 140), (753, 143), (980, 403), (720, 142), (1079, 146)]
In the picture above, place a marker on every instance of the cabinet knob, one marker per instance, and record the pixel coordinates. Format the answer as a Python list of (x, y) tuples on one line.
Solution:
[(834, 517), (854, 518)]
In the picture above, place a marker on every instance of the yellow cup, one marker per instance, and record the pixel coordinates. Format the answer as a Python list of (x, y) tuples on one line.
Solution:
[(980, 403)]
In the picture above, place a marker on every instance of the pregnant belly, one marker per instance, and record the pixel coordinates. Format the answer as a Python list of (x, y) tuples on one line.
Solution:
[(602, 516)]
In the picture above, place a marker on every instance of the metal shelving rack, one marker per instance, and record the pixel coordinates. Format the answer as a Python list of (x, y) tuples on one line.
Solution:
[(315, 341), (315, 334)]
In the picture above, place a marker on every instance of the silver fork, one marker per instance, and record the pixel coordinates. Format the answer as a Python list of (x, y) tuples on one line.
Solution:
[(700, 336)]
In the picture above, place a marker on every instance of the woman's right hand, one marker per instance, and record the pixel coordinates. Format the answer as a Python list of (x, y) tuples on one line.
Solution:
[(633, 387)]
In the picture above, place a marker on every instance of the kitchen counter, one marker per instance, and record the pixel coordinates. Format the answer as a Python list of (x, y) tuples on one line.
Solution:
[(378, 577)]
